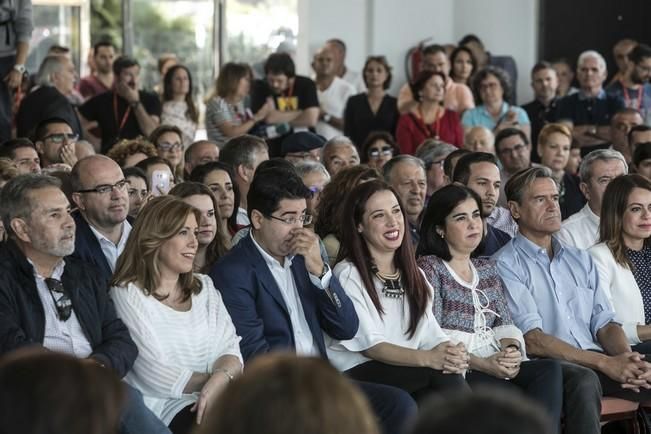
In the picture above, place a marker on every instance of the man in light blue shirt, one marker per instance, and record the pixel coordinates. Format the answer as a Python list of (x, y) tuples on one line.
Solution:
[(557, 301)]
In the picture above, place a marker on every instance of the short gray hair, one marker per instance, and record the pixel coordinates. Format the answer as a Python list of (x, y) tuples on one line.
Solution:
[(50, 65), (522, 180), (432, 150), (305, 167), (595, 55), (14, 196), (392, 163), (585, 169), (336, 141)]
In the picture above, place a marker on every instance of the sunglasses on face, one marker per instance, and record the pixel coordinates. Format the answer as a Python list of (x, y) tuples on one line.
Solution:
[(384, 151), (60, 297), (60, 137)]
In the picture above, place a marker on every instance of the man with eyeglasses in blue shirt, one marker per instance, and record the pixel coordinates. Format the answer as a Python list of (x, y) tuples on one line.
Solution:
[(55, 142), (99, 190)]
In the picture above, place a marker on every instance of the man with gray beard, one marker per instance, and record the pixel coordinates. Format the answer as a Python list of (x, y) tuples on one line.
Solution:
[(51, 299)]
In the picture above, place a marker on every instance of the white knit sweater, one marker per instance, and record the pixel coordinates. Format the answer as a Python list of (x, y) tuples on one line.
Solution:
[(172, 344)]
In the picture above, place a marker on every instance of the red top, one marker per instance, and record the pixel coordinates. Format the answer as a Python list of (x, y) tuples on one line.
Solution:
[(412, 131)]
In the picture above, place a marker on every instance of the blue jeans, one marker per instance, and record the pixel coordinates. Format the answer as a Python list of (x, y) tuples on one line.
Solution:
[(137, 418)]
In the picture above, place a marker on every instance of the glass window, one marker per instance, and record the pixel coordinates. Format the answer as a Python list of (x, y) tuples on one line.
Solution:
[(255, 29), (54, 24), (180, 28)]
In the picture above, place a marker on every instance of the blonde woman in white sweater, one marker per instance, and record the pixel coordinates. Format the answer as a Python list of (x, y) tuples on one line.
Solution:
[(188, 349), (623, 255)]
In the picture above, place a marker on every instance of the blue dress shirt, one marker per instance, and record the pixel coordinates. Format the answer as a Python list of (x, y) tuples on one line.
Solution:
[(561, 296)]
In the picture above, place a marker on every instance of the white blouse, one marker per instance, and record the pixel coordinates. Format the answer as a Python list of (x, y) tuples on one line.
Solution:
[(172, 345), (375, 328)]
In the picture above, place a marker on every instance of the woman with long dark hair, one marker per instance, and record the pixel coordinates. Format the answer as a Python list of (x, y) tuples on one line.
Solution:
[(219, 178), (179, 108), (212, 237), (470, 303), (399, 341)]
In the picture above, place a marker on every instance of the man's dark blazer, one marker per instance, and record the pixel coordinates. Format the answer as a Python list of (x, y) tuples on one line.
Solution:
[(22, 317), (258, 309), (88, 249)]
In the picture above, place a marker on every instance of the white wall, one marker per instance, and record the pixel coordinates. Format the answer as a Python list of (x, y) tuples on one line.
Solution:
[(391, 27)]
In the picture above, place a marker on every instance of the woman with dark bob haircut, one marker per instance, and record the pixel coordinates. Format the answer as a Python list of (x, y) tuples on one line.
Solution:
[(429, 119), (378, 148), (375, 109), (470, 303), (495, 110), (623, 255), (399, 342)]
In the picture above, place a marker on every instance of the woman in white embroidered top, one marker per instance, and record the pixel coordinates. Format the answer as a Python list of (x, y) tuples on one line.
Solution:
[(623, 255), (188, 349), (399, 342), (470, 302)]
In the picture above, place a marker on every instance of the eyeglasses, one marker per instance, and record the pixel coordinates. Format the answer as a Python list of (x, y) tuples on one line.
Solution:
[(107, 188), (384, 151), (164, 146), (62, 303), (305, 219), (438, 163), (60, 137), (514, 150), (133, 192)]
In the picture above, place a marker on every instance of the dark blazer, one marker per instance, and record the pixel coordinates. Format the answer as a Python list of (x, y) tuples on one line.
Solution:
[(22, 317), (258, 309), (88, 249)]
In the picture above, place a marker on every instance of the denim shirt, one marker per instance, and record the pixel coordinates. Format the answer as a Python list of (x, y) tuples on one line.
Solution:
[(561, 296)]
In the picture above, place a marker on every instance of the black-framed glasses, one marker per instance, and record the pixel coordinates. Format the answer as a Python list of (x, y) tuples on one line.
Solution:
[(60, 297), (438, 163), (60, 137), (514, 150), (305, 219), (164, 146), (107, 188), (385, 151)]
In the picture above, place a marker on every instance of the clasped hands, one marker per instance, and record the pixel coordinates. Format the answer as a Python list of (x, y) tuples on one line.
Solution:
[(630, 370), (449, 358)]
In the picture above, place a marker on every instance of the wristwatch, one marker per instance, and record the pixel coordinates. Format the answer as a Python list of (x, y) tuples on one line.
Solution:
[(327, 117), (20, 68), (135, 104), (326, 268)]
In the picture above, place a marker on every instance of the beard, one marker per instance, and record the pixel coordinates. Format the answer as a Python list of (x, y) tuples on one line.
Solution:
[(635, 78), (59, 248)]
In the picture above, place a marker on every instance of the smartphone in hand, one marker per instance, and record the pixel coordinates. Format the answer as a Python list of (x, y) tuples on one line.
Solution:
[(160, 183)]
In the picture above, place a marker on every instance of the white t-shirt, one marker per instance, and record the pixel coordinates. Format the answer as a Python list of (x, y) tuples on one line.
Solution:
[(580, 230), (375, 328), (172, 345), (355, 78), (333, 101)]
